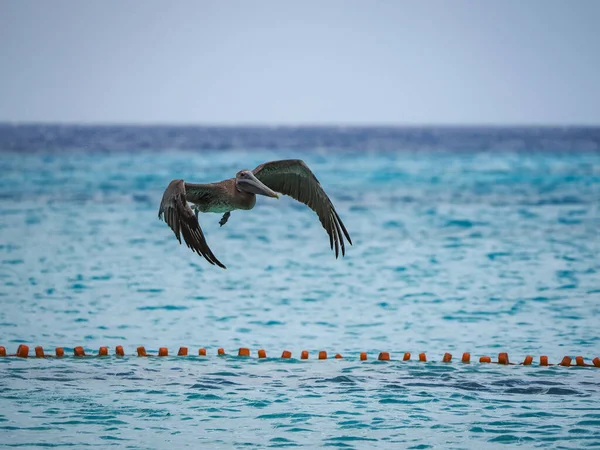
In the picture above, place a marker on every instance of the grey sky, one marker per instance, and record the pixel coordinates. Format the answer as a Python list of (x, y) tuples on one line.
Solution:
[(306, 62)]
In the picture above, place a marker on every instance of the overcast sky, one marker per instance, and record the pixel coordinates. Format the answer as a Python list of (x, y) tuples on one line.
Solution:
[(303, 62)]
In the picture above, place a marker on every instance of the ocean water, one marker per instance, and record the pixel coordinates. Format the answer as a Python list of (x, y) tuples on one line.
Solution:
[(465, 240)]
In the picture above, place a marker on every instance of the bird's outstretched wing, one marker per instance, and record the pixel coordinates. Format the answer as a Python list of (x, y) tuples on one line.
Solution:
[(180, 217), (293, 177)]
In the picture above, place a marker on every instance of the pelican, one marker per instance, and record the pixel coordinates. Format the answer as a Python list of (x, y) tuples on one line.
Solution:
[(290, 177)]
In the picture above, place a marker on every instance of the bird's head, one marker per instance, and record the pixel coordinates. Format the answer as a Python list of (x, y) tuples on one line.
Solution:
[(247, 182)]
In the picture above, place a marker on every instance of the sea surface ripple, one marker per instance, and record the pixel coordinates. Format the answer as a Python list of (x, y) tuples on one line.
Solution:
[(478, 251)]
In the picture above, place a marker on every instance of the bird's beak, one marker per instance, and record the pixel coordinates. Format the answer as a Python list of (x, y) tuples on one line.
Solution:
[(254, 186)]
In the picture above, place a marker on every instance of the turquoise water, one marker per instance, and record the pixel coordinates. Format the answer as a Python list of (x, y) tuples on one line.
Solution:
[(454, 251)]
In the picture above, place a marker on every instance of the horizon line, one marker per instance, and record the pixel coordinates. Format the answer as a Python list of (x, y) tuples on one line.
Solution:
[(297, 125)]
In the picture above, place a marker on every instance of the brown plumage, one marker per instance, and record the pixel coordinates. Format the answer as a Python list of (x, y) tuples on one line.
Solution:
[(289, 177)]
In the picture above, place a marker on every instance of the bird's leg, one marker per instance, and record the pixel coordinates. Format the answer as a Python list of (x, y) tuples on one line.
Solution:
[(196, 210), (224, 219)]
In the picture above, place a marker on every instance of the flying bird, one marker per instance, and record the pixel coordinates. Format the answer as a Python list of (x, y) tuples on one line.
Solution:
[(289, 177)]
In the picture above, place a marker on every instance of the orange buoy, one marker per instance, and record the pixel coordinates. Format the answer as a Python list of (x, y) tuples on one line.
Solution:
[(163, 351), (244, 351), (221, 352), (466, 357), (322, 354), (103, 351), (262, 353), (78, 351), (384, 356), (304, 354), (447, 357), (566, 361), (485, 359), (503, 358), (119, 350), (406, 356), (22, 351), (60, 352), (338, 356), (363, 356), (141, 351), (39, 352), (202, 352), (422, 357), (2, 351), (543, 360), (579, 361), (286, 354), (183, 351), (528, 360), (596, 362)]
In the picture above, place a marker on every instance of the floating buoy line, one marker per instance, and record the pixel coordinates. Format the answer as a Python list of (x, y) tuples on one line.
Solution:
[(79, 352)]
